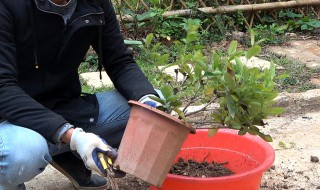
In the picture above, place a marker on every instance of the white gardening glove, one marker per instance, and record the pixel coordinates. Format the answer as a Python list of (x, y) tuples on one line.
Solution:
[(88, 145), (147, 100)]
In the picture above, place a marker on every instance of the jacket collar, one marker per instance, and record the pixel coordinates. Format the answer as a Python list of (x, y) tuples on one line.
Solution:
[(84, 7)]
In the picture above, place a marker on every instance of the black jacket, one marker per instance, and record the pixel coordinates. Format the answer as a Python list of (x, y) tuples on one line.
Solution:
[(45, 98)]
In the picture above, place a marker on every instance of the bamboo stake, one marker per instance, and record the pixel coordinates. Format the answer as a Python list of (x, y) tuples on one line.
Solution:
[(144, 4), (128, 5), (183, 4), (234, 8), (315, 12), (245, 8), (171, 5), (202, 3)]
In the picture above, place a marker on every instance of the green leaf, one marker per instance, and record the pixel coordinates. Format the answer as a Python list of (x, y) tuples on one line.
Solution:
[(252, 37), (232, 48), (283, 76), (180, 113), (172, 98), (191, 37), (176, 103), (267, 138), (253, 132), (155, 2), (304, 27), (212, 132), (144, 15), (235, 98), (156, 47), (254, 50), (242, 131), (232, 108), (148, 40), (275, 110), (208, 91), (229, 81), (216, 61), (157, 99), (153, 14), (282, 144), (166, 91), (198, 71), (162, 59)]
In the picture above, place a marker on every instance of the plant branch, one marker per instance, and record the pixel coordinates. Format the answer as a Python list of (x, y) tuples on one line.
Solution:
[(202, 109), (192, 100)]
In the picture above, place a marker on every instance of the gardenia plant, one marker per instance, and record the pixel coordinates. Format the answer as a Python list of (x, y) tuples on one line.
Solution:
[(245, 94)]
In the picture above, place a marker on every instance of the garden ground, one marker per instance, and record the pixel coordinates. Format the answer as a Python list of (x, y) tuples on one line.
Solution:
[(295, 140)]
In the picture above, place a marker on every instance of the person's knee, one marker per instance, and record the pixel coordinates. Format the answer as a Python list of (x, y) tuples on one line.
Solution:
[(23, 156)]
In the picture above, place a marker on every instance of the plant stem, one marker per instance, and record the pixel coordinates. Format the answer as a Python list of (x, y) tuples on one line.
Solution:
[(202, 109)]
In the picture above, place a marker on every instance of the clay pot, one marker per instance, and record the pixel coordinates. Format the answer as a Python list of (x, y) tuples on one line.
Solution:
[(151, 142), (248, 156)]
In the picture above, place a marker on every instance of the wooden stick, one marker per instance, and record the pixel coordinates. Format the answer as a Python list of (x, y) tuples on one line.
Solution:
[(315, 12), (144, 4), (202, 3), (245, 8), (171, 5), (128, 5), (234, 8), (183, 4)]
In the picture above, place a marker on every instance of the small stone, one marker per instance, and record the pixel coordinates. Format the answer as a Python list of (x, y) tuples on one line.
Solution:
[(314, 159), (318, 187), (273, 167), (285, 186)]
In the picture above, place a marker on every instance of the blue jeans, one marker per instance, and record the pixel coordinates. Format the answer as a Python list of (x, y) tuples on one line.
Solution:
[(25, 153)]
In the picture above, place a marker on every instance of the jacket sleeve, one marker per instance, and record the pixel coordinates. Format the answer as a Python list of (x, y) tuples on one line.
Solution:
[(118, 61), (16, 106)]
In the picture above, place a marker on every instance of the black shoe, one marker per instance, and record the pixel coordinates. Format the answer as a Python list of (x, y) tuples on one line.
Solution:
[(73, 168)]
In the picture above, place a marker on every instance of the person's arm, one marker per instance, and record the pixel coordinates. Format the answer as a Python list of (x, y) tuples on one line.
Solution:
[(16, 106), (66, 137), (118, 61)]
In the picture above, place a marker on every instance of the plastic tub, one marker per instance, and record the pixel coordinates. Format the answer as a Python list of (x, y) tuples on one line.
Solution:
[(248, 156)]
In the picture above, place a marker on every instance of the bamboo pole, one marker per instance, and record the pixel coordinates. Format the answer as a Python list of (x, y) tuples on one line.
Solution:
[(234, 8), (246, 8)]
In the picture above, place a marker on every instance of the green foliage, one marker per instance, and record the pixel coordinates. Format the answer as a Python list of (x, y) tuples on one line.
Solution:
[(89, 64), (273, 32), (298, 21), (245, 95), (138, 20), (270, 34), (299, 75)]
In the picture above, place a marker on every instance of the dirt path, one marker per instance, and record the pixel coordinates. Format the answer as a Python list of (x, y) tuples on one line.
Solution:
[(296, 140)]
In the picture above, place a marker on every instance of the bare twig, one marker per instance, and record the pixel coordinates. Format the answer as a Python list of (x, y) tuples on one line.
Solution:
[(202, 109)]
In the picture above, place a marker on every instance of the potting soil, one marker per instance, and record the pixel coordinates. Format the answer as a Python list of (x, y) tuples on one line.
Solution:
[(203, 169)]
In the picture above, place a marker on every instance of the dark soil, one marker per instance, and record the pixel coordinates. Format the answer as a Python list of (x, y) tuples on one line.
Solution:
[(203, 169)]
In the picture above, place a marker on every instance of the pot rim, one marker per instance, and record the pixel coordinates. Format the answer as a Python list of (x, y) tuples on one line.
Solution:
[(260, 169), (164, 114)]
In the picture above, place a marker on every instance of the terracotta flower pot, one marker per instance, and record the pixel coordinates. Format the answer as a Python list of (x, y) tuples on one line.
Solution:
[(151, 142), (248, 156)]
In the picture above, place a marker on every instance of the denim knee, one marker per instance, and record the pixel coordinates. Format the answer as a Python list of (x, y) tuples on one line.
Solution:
[(114, 112), (23, 155)]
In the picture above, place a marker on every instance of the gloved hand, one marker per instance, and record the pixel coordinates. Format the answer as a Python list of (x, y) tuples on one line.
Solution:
[(147, 100), (88, 145)]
